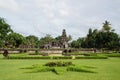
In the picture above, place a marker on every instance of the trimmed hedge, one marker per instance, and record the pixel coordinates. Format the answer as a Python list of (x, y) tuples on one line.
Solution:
[(57, 57), (62, 57), (113, 55), (58, 64), (28, 57), (91, 57), (85, 54), (59, 68), (36, 53)]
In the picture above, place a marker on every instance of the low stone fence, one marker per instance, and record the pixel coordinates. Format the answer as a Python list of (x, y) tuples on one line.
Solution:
[(11, 52), (45, 51), (51, 51), (33, 51)]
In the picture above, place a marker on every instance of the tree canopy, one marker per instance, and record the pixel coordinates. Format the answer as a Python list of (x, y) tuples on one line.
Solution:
[(15, 39), (5, 30), (32, 40), (104, 38)]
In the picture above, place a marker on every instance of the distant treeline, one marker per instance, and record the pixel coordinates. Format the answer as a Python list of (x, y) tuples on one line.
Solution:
[(98, 39)]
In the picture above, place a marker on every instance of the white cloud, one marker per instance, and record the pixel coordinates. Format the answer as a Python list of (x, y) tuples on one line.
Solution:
[(51, 16), (10, 5)]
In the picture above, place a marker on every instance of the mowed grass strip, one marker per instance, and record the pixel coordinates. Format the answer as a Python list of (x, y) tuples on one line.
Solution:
[(107, 69)]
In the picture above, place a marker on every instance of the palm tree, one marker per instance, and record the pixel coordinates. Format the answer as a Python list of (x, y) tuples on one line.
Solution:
[(106, 26)]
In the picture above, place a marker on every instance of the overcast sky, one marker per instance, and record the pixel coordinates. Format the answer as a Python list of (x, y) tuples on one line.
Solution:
[(41, 17)]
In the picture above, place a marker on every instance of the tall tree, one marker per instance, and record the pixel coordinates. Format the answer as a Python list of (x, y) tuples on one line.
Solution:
[(89, 33), (46, 40), (77, 43), (15, 39), (5, 29), (106, 26), (32, 40), (107, 38), (90, 40)]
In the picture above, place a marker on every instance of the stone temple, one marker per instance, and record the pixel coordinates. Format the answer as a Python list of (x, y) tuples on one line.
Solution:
[(63, 43), (64, 39)]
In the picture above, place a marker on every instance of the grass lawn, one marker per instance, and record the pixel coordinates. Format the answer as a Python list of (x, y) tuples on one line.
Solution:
[(107, 69)]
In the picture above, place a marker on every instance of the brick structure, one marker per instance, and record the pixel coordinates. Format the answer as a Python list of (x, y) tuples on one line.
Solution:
[(64, 39)]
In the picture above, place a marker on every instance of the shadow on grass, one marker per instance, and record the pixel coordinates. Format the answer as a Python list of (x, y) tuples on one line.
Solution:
[(80, 69), (90, 67)]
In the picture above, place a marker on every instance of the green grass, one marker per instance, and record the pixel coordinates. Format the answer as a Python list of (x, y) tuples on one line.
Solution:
[(107, 69)]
